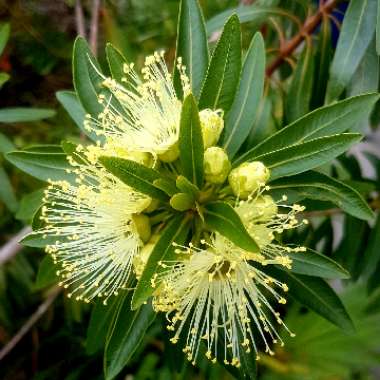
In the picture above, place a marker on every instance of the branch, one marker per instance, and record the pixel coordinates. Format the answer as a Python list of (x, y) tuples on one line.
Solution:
[(30, 323), (12, 247), (79, 19), (311, 23), (94, 26)]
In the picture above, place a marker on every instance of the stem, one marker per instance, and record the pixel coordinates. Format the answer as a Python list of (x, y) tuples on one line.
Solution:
[(12, 247), (30, 323), (311, 23), (79, 19), (94, 26)]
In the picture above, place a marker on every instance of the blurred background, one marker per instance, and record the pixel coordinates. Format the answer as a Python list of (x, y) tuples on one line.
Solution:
[(36, 39)]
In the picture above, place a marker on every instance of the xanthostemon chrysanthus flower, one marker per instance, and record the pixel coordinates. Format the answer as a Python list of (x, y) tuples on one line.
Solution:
[(149, 117), (93, 229), (222, 293)]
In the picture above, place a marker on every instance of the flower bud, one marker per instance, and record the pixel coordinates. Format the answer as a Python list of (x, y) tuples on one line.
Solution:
[(216, 165), (247, 178), (171, 154), (142, 225), (212, 124)]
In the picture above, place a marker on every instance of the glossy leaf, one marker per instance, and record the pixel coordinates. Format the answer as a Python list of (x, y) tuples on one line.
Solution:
[(74, 108), (7, 195), (125, 335), (219, 86), (221, 217), (175, 231), (43, 162), (300, 90), (47, 274), (309, 155), (6, 145), (192, 45), (244, 109), (378, 29), (191, 142), (317, 295), (101, 319), (314, 185), (357, 31), (325, 121), (21, 115), (29, 205), (312, 263), (138, 176), (116, 62), (371, 256)]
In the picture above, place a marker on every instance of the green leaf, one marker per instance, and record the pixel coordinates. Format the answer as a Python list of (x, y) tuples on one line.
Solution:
[(323, 57), (166, 185), (191, 142), (191, 45), (371, 256), (325, 121), (4, 35), (312, 263), (175, 231), (101, 319), (29, 205), (378, 29), (116, 62), (125, 335), (316, 294), (86, 86), (318, 186), (302, 157), (219, 86), (20, 114), (7, 195), (42, 162), (300, 90), (4, 77), (256, 14), (182, 201), (6, 145), (357, 31), (243, 112), (186, 186), (47, 274), (221, 217), (73, 107), (135, 175)]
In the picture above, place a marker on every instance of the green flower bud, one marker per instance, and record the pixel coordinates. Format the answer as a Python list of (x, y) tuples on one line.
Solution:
[(216, 165), (212, 124), (247, 178), (142, 225), (171, 154)]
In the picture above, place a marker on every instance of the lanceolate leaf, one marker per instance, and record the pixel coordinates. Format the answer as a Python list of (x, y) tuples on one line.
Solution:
[(378, 29), (315, 294), (116, 62), (302, 157), (47, 274), (135, 175), (125, 335), (175, 232), (218, 89), (300, 90), (221, 217), (191, 142), (7, 195), (312, 263), (325, 121), (102, 317), (357, 31), (314, 185), (71, 104), (253, 13), (20, 114), (243, 112), (43, 162), (4, 35), (192, 45)]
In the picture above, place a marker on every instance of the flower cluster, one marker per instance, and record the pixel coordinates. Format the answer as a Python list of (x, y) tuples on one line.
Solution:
[(101, 231)]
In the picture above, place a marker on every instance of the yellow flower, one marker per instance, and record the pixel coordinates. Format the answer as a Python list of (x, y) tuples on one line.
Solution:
[(149, 113), (218, 295), (90, 230)]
